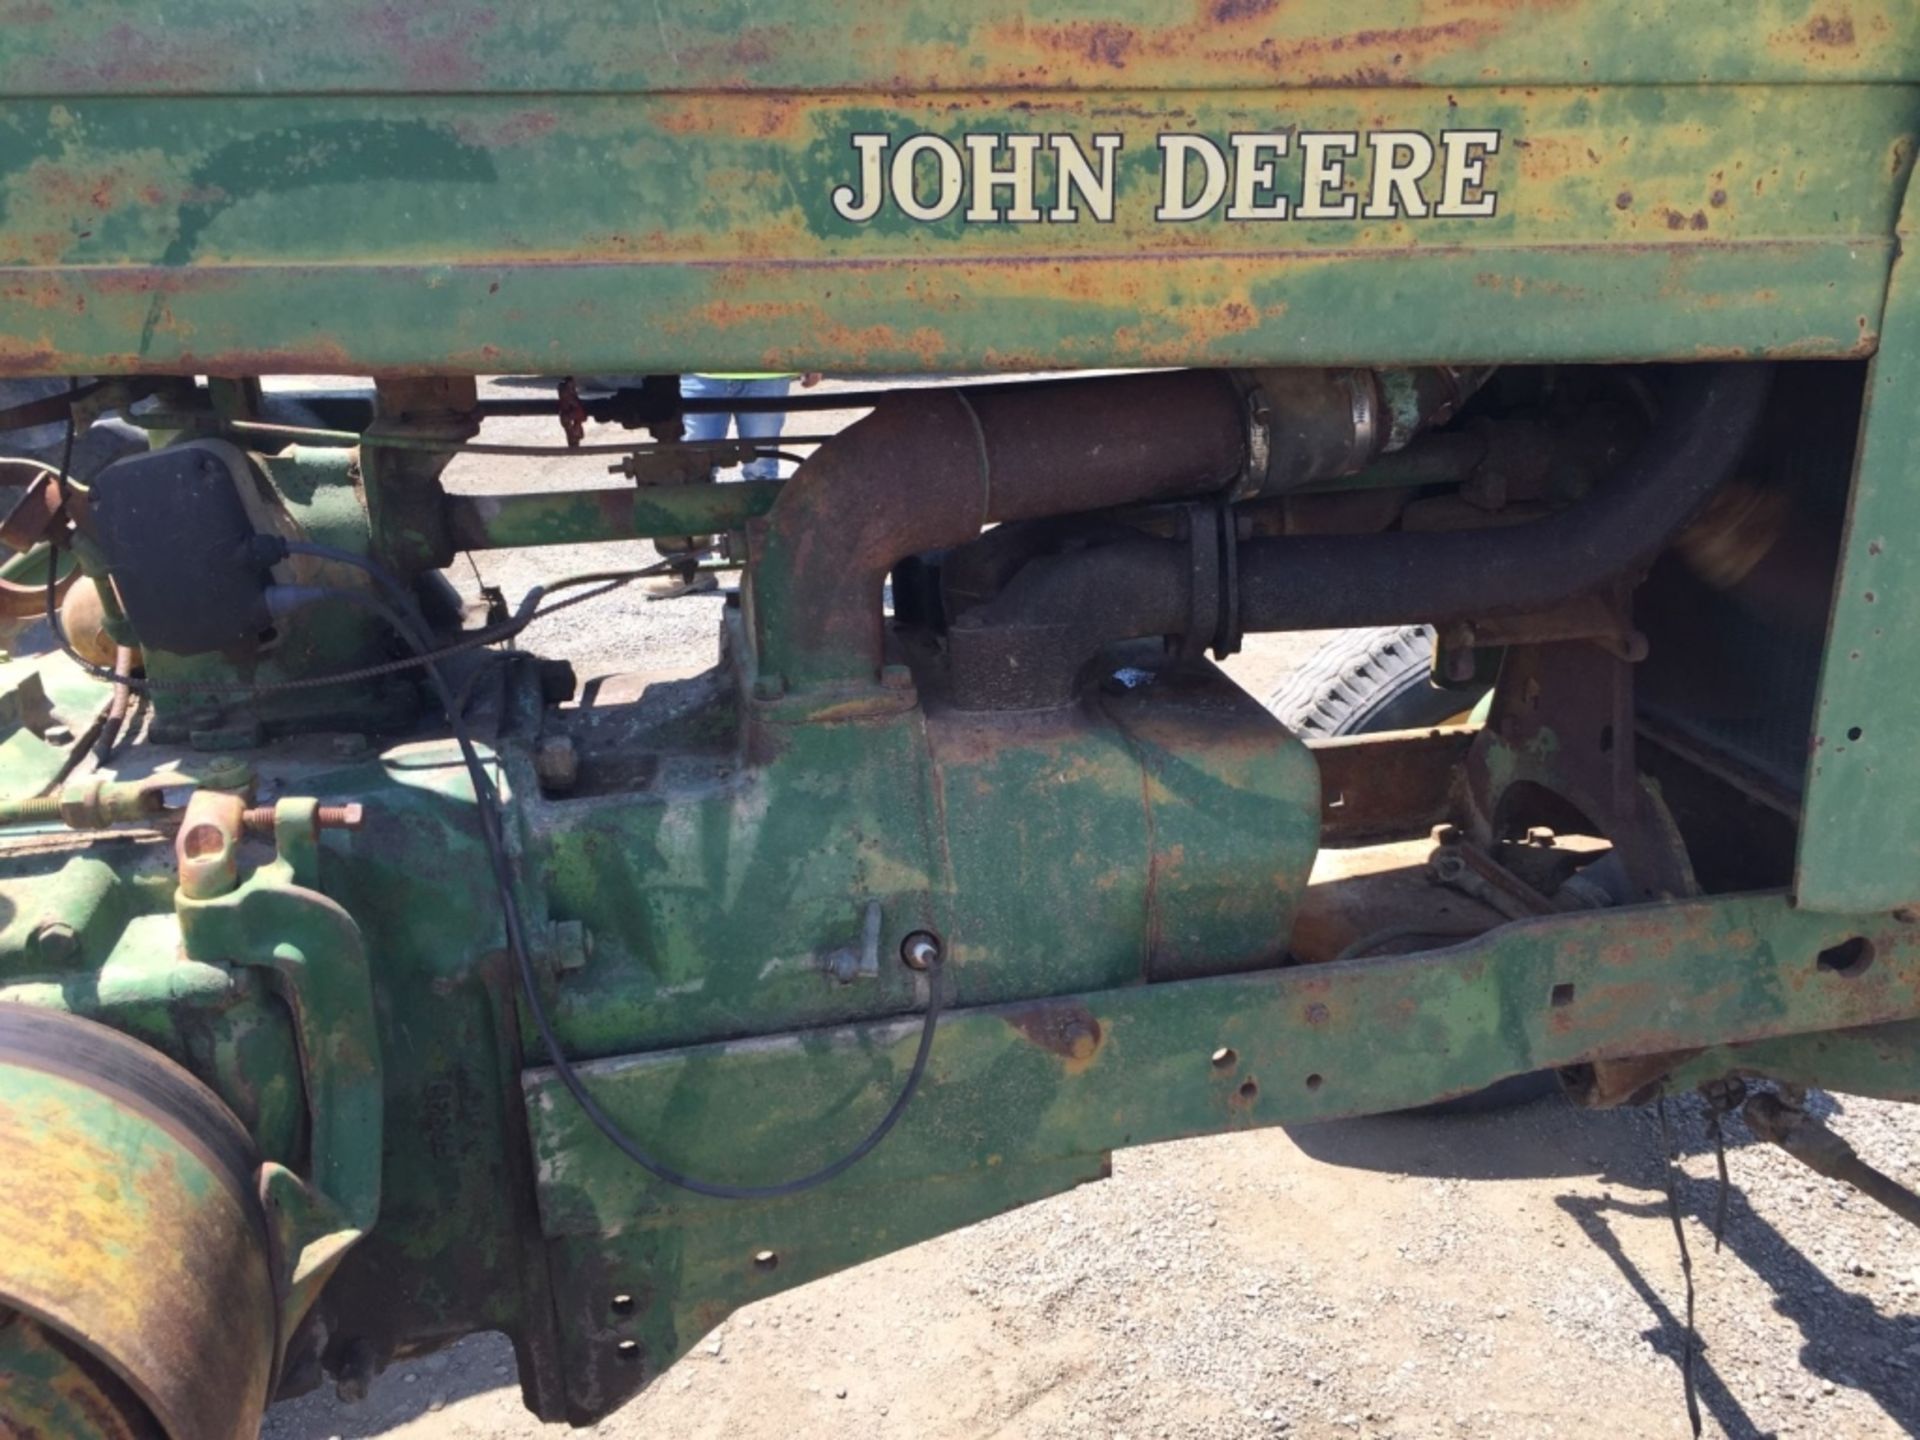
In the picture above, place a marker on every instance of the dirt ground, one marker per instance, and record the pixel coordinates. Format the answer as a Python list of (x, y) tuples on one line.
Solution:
[(1509, 1275)]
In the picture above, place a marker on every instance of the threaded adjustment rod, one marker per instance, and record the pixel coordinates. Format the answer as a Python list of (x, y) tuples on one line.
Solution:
[(258, 819)]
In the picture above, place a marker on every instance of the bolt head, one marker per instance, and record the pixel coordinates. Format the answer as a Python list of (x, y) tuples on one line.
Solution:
[(55, 940), (1082, 1039), (557, 762)]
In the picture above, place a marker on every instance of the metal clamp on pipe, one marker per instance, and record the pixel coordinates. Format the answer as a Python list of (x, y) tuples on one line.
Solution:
[(1308, 426)]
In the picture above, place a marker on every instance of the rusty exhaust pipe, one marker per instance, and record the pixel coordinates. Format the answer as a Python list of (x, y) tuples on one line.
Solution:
[(930, 469)]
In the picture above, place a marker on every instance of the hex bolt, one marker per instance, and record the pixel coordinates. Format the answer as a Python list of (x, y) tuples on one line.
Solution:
[(920, 950), (844, 966), (556, 761), (54, 941), (569, 946)]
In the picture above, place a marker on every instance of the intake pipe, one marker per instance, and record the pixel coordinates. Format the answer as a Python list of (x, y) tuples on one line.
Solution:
[(1025, 649), (930, 469)]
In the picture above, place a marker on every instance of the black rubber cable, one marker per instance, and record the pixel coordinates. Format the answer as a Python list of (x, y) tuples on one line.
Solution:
[(488, 806)]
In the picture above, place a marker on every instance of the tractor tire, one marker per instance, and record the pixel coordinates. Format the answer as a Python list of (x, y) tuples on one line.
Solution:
[(1364, 682)]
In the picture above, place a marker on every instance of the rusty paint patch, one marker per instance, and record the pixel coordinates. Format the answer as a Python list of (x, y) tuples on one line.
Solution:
[(1825, 30), (1068, 1029)]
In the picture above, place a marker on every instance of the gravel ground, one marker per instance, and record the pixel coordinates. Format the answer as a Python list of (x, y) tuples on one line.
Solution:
[(1510, 1275)]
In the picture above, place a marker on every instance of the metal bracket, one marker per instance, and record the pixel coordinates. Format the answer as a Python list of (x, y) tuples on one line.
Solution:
[(316, 962)]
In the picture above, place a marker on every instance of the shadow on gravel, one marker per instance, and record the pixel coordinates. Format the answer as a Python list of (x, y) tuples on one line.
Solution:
[(405, 1391), (1541, 1140), (1547, 1138), (1849, 1340), (1846, 1338)]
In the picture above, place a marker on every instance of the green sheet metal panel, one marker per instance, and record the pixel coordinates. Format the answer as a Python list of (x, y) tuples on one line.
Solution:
[(1860, 831), (95, 47), (446, 187)]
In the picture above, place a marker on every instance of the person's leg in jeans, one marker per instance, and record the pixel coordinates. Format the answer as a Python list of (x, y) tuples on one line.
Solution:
[(761, 426), (704, 425), (707, 425)]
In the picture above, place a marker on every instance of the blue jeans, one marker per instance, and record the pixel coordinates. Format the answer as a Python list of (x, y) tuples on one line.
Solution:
[(751, 427)]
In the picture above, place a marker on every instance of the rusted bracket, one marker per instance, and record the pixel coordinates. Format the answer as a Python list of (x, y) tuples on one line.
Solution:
[(1562, 723), (1598, 619), (313, 953)]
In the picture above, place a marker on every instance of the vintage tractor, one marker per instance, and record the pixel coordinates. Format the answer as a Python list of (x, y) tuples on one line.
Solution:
[(367, 981)]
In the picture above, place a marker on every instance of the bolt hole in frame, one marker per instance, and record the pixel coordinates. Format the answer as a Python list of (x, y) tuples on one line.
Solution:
[(622, 1305), (766, 1260), (1225, 1058), (1849, 958), (1314, 1082), (1562, 996), (628, 1350), (1249, 1089)]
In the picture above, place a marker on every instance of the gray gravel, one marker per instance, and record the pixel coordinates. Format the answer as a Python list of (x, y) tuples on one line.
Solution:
[(1511, 1275)]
